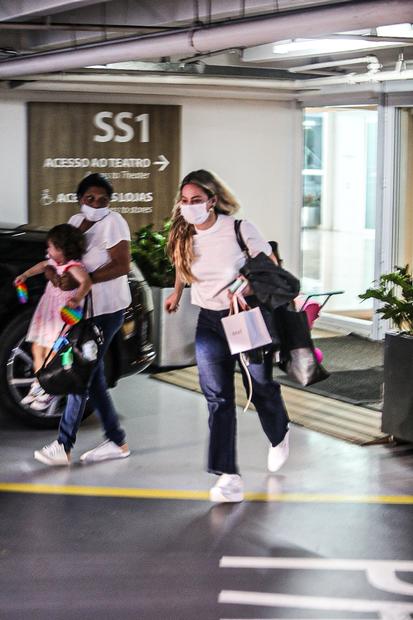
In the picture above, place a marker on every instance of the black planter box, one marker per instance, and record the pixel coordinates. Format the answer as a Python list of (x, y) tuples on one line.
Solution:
[(397, 417)]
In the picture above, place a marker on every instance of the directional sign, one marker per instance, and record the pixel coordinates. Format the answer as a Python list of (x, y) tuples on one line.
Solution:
[(163, 163), (136, 147)]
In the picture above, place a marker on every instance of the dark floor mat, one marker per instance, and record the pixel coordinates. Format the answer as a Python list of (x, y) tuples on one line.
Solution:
[(355, 365), (350, 352), (359, 387)]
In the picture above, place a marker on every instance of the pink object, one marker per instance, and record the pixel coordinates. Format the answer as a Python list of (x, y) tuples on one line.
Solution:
[(318, 355), (46, 321), (312, 310)]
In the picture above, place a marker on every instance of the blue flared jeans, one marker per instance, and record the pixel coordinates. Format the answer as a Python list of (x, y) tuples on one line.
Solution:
[(97, 394), (216, 368)]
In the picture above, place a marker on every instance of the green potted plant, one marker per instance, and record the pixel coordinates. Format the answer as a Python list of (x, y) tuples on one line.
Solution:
[(149, 253), (395, 292), (174, 334)]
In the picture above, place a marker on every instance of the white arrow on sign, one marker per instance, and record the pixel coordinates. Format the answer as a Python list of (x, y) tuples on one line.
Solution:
[(162, 162)]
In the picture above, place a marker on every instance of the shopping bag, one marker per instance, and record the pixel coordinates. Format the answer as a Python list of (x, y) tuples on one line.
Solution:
[(297, 356), (245, 330), (76, 354)]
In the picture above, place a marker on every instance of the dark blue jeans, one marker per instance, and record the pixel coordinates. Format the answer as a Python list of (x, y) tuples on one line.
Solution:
[(98, 393), (216, 368)]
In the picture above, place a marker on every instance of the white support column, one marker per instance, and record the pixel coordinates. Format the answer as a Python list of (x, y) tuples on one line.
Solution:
[(388, 203), (294, 263)]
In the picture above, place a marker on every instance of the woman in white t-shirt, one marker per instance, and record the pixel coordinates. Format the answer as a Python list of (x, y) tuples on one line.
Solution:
[(203, 247), (107, 260)]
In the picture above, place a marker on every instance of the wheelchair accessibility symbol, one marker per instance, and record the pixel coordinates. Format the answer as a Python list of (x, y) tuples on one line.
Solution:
[(46, 199)]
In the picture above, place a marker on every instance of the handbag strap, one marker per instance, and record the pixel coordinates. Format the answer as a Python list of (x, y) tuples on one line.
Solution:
[(234, 309), (88, 306), (244, 363), (240, 239), (51, 349), (88, 302)]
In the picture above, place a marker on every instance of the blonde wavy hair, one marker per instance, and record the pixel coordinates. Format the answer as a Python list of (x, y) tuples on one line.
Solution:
[(180, 242)]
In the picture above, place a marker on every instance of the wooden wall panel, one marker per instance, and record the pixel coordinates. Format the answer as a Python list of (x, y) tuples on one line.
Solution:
[(137, 147)]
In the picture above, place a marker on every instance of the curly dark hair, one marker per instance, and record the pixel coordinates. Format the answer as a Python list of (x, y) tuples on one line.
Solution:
[(94, 180), (69, 239)]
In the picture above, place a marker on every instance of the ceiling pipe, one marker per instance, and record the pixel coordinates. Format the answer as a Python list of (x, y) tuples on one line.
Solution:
[(48, 27), (238, 33), (370, 60)]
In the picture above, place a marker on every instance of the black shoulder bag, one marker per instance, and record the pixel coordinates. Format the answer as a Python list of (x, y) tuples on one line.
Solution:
[(76, 355), (275, 289), (272, 285)]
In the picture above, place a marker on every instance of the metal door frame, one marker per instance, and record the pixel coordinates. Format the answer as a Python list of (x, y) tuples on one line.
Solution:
[(387, 200)]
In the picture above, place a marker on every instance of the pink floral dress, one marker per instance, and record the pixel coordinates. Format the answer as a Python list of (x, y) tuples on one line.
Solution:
[(46, 323)]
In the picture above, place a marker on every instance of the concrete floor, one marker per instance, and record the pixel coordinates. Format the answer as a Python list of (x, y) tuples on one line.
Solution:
[(138, 538)]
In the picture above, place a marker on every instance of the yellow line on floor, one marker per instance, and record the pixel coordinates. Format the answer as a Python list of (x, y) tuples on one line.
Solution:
[(104, 491), (181, 494)]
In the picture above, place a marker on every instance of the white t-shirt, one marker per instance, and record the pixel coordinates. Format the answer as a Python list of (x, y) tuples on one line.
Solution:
[(112, 295), (218, 259)]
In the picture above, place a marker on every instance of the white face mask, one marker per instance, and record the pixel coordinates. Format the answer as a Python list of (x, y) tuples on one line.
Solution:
[(94, 215), (195, 214)]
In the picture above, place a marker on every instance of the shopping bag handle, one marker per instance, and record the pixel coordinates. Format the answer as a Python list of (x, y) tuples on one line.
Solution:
[(238, 304)]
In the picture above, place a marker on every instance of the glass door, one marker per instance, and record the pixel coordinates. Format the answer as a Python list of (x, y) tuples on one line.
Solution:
[(338, 212)]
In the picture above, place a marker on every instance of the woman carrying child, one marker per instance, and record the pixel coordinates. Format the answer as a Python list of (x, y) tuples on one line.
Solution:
[(107, 259)]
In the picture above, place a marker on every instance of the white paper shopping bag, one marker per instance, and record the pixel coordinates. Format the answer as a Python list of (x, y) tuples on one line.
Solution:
[(245, 330)]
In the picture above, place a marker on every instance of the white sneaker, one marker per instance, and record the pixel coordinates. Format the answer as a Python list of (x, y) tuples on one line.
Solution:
[(277, 455), (35, 390), (53, 454), (105, 451), (43, 401), (229, 488)]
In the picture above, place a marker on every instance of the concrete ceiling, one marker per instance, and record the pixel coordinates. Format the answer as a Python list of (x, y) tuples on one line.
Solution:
[(207, 37)]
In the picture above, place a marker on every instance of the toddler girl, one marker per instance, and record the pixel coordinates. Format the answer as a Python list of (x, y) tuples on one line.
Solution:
[(65, 245)]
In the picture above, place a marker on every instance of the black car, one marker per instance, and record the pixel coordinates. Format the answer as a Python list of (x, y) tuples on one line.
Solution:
[(130, 351)]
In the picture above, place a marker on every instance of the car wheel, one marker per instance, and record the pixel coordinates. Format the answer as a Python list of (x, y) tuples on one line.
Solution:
[(16, 376)]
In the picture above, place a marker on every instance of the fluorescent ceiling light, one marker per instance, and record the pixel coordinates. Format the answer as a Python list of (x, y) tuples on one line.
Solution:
[(325, 46), (395, 30)]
